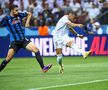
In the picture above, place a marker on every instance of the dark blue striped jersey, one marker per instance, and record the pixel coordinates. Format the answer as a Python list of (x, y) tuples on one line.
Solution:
[(15, 27)]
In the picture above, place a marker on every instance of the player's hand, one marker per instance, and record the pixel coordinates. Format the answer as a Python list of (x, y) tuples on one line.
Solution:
[(29, 13), (80, 36), (27, 25), (80, 25)]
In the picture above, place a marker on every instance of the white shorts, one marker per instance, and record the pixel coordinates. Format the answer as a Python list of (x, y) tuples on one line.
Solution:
[(60, 41)]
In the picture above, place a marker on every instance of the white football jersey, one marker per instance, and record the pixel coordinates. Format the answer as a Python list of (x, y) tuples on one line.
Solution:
[(61, 27)]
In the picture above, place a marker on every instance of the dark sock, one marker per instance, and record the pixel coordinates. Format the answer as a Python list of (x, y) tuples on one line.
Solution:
[(3, 64), (39, 59)]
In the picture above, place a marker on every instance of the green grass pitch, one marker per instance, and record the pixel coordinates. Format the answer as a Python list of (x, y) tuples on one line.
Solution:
[(79, 74)]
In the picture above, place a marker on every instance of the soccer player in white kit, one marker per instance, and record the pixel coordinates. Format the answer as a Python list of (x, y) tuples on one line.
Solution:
[(61, 38)]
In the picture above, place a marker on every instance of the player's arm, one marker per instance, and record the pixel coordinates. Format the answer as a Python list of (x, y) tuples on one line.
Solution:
[(28, 16), (74, 32), (27, 24), (72, 25)]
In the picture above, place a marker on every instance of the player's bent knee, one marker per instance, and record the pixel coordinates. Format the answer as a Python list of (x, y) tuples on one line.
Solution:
[(58, 51), (9, 57), (69, 44), (31, 47), (35, 49)]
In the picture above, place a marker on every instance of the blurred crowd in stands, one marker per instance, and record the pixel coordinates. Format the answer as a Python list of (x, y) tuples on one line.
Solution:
[(48, 12)]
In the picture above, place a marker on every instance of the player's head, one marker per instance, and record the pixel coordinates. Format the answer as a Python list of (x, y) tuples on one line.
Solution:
[(72, 16), (14, 10)]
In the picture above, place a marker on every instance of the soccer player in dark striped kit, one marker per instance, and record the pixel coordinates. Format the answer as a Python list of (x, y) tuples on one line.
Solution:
[(13, 23)]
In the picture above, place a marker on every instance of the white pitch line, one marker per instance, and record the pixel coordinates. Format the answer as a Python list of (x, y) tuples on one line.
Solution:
[(72, 84)]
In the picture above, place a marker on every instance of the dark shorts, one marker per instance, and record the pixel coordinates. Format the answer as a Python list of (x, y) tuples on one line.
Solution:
[(16, 45)]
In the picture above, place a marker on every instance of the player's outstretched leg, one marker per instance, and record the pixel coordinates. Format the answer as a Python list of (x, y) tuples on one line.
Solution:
[(76, 48), (86, 54), (40, 61), (46, 68), (7, 60), (3, 64), (31, 47)]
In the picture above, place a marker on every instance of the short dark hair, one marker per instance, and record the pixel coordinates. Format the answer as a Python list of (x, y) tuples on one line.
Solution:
[(72, 12), (13, 6)]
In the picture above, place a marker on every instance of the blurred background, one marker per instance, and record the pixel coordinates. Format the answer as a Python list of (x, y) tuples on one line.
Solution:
[(92, 13), (45, 14)]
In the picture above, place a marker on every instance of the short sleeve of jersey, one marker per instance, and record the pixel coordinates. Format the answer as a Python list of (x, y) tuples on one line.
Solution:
[(22, 15), (3, 22), (65, 20)]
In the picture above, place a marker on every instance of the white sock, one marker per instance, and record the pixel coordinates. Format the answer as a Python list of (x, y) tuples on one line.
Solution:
[(59, 59), (76, 48)]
